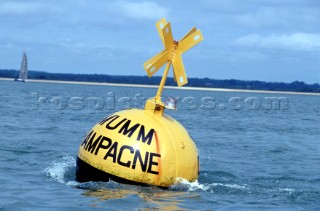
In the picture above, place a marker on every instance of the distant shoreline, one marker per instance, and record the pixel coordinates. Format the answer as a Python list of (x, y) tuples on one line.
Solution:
[(168, 87)]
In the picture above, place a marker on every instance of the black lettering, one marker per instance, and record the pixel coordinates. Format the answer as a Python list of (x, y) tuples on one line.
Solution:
[(151, 163), (124, 129), (117, 125), (112, 152), (142, 164), (107, 118), (91, 145), (85, 140), (147, 138), (103, 146), (128, 163)]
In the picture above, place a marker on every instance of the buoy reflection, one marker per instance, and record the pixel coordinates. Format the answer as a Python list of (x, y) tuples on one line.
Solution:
[(162, 199)]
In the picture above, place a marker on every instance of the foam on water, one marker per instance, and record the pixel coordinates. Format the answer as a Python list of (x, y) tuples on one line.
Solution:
[(289, 190), (235, 186), (183, 184), (63, 170)]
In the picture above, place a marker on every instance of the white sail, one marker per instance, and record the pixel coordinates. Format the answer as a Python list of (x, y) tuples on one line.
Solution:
[(23, 75)]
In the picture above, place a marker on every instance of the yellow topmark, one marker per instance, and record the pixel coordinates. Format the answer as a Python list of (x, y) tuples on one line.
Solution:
[(144, 146)]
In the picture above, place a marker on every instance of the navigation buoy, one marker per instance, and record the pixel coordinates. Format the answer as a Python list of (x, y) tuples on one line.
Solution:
[(144, 146)]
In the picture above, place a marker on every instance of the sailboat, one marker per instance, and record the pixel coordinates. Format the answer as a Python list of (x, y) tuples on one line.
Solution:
[(23, 75)]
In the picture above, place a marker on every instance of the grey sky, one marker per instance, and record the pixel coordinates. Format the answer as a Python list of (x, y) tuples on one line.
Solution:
[(269, 40)]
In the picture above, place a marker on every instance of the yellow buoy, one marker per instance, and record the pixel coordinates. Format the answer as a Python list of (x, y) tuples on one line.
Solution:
[(144, 146)]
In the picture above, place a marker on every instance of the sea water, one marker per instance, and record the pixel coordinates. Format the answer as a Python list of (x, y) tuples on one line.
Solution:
[(257, 151)]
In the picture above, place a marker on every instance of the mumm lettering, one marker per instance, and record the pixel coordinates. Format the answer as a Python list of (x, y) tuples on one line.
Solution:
[(126, 128)]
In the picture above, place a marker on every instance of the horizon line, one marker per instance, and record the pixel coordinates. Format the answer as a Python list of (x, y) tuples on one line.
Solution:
[(168, 87), (247, 80)]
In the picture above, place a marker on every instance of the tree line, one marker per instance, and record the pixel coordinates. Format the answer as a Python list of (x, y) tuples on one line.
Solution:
[(296, 86)]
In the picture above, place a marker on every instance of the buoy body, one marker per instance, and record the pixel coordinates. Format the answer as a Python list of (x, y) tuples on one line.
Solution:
[(145, 146), (138, 147)]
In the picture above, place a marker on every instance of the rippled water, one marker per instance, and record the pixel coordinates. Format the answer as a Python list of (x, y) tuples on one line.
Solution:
[(253, 155)]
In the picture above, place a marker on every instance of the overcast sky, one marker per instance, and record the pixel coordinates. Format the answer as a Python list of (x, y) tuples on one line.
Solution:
[(268, 40)]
